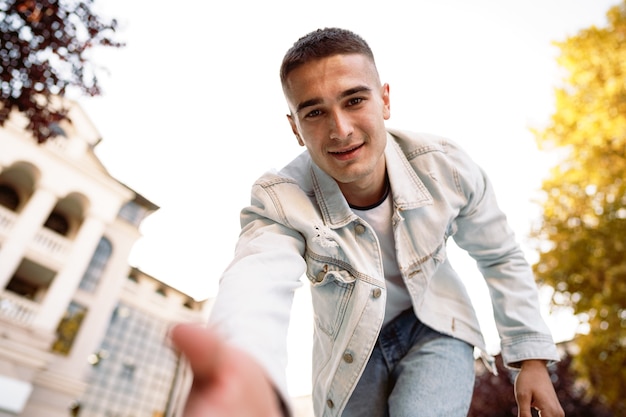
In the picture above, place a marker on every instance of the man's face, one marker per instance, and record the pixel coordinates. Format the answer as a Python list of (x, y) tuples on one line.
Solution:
[(338, 111)]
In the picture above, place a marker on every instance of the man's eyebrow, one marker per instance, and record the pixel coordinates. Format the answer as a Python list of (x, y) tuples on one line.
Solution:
[(344, 94), (308, 103), (355, 90)]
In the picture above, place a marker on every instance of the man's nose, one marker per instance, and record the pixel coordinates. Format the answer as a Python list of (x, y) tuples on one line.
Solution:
[(340, 126)]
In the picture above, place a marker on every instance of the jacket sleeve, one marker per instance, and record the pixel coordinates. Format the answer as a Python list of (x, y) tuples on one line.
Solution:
[(255, 295), (483, 231)]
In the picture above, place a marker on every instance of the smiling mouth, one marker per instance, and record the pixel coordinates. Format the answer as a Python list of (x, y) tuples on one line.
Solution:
[(347, 151)]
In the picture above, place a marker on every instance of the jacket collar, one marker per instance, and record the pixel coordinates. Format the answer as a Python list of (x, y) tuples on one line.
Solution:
[(408, 191)]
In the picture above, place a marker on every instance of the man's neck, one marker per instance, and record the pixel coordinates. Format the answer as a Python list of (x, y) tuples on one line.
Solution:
[(364, 195)]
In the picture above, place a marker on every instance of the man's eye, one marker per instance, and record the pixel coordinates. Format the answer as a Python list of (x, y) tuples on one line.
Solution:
[(354, 101), (313, 113)]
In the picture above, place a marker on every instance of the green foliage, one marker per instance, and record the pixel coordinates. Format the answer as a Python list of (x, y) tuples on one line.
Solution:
[(583, 229), (43, 51)]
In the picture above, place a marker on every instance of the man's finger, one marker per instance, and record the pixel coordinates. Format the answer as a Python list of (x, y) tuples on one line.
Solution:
[(200, 347), (524, 399)]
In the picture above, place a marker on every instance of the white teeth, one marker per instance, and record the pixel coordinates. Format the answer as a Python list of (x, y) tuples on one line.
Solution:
[(349, 150)]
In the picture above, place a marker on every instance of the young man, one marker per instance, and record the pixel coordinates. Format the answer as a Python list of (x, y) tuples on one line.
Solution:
[(365, 213)]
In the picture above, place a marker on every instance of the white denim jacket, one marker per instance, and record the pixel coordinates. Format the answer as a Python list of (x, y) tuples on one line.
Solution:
[(299, 222)]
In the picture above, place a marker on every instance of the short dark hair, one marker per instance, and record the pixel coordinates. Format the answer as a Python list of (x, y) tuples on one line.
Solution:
[(322, 43)]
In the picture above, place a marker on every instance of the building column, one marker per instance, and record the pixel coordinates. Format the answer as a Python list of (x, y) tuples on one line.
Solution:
[(28, 223), (64, 285)]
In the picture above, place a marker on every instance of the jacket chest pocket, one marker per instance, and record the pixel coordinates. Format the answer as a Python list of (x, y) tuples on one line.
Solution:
[(331, 288), (421, 272)]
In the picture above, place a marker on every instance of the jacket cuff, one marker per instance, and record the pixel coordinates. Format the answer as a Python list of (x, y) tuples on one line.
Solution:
[(517, 349)]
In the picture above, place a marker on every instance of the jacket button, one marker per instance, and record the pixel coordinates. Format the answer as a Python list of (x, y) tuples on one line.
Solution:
[(320, 276), (330, 403), (348, 358), (376, 292), (359, 229)]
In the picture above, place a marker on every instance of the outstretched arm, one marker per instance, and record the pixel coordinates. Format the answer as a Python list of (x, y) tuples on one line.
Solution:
[(534, 389), (227, 382)]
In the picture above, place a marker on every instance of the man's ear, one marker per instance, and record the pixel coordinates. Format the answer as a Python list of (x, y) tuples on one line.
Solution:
[(294, 129), (386, 102)]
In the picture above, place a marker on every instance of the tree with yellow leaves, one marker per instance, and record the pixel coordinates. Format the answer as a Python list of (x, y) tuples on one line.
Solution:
[(582, 232)]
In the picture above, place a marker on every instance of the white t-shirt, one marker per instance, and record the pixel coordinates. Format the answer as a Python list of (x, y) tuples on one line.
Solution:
[(379, 217)]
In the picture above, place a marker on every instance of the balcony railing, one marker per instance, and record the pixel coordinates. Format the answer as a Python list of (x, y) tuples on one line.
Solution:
[(48, 243), (51, 244), (7, 219), (18, 309)]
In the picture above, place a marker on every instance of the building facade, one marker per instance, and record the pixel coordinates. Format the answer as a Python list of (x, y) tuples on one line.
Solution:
[(135, 371), (78, 325)]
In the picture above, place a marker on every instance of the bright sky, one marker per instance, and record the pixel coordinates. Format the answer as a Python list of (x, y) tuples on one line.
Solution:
[(193, 112)]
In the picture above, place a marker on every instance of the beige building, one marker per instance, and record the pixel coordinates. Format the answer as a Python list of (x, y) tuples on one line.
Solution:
[(134, 371), (81, 332)]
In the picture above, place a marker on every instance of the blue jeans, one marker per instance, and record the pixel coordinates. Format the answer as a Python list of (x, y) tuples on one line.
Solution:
[(414, 371)]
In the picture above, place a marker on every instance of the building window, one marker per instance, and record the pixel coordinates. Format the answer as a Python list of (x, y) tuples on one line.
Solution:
[(128, 370), (57, 222), (68, 328), (139, 372), (23, 287), (96, 267), (9, 197), (31, 280), (132, 212), (56, 129)]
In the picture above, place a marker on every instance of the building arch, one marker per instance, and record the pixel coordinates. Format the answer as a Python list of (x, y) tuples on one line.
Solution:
[(68, 215), (17, 185)]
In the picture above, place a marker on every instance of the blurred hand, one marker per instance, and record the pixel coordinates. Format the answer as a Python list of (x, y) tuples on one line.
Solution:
[(227, 382), (534, 389)]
